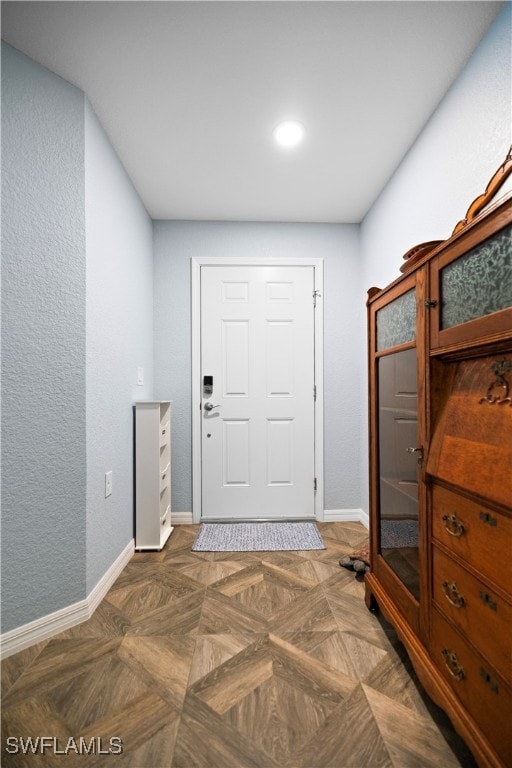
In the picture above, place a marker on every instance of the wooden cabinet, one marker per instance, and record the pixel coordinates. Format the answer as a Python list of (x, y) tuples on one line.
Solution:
[(152, 474), (440, 379)]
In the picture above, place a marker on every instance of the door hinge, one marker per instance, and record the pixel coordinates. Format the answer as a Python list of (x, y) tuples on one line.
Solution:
[(430, 303), (315, 294), (314, 485), (314, 392)]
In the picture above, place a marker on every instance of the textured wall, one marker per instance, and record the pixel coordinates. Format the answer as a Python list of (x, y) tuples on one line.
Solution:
[(119, 339), (174, 244), (449, 165), (47, 337), (43, 342)]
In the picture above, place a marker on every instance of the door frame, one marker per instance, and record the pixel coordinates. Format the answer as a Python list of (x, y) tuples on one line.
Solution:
[(208, 261)]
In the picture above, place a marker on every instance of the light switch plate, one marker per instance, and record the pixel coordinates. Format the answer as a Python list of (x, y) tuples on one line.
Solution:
[(140, 376)]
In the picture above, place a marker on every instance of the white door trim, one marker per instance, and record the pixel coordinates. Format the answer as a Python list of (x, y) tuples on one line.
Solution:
[(196, 264)]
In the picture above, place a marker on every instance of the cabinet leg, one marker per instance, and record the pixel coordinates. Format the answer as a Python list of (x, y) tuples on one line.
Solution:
[(370, 599)]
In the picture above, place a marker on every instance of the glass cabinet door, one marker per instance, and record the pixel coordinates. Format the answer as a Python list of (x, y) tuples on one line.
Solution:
[(471, 290), (398, 465), (398, 453), (478, 283)]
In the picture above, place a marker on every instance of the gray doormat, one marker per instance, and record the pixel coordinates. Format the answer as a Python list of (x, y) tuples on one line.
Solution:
[(257, 537), (395, 534)]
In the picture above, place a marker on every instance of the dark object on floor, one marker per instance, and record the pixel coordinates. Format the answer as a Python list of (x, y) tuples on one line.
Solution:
[(358, 561)]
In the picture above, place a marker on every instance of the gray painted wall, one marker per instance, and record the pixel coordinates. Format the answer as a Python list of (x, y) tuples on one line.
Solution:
[(449, 165), (77, 296), (174, 244), (60, 206), (119, 339), (43, 342)]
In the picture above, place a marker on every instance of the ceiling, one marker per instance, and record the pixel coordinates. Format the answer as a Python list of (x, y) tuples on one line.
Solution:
[(189, 93)]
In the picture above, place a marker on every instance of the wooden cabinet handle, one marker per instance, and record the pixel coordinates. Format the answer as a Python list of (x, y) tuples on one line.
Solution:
[(453, 595), (452, 664), (453, 525)]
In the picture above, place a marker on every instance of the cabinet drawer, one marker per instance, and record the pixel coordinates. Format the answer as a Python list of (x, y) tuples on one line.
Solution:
[(480, 689), (483, 617), (481, 536)]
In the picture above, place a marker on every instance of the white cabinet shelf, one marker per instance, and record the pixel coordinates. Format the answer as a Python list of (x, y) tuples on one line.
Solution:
[(152, 474)]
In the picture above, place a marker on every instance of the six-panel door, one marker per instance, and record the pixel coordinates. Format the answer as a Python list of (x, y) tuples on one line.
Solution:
[(257, 345)]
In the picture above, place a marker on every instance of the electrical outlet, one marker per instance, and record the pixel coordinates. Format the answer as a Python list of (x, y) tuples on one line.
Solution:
[(140, 376), (108, 483)]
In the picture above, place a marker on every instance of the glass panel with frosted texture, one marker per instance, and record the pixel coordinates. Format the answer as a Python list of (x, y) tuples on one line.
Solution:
[(479, 283), (396, 322), (398, 467)]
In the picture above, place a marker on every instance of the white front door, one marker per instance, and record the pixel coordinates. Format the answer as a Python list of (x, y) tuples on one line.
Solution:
[(257, 392)]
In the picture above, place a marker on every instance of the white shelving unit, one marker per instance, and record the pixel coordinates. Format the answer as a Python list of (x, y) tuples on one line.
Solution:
[(152, 474)]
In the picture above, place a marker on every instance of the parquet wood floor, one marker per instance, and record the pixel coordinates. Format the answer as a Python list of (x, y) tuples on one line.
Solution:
[(228, 660)]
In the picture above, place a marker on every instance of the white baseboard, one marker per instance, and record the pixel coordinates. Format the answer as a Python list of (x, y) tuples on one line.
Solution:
[(330, 516), (98, 592), (347, 516), (181, 518), (41, 629)]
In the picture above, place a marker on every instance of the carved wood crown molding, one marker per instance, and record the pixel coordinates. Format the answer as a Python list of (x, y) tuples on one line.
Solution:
[(492, 188), (414, 254)]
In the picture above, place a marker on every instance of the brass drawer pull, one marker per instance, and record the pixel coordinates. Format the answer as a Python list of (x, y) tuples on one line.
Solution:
[(453, 525), (485, 517), (453, 595), (488, 680), (487, 599), (452, 663)]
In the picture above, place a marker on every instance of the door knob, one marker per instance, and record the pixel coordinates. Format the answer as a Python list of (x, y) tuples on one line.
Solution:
[(209, 407)]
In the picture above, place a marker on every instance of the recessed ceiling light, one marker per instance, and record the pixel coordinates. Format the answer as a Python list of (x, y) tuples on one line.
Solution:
[(289, 133)]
